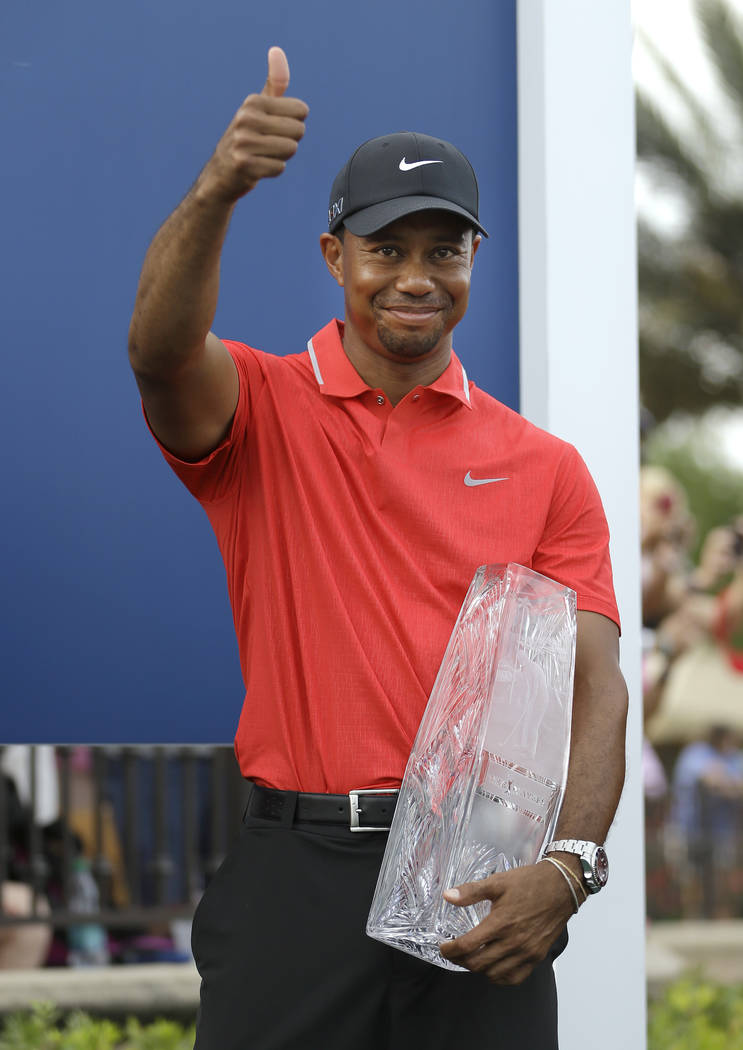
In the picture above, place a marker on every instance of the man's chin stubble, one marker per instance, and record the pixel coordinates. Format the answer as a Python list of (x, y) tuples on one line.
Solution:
[(409, 346)]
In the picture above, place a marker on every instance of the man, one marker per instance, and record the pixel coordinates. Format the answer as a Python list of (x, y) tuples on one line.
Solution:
[(339, 482), (706, 808)]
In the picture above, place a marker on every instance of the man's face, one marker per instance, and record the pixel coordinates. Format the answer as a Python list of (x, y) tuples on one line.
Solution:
[(407, 285)]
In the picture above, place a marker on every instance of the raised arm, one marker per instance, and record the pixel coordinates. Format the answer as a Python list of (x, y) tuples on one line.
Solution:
[(186, 377), (531, 905)]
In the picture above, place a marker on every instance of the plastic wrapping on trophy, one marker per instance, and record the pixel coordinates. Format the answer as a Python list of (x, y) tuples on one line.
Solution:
[(484, 782)]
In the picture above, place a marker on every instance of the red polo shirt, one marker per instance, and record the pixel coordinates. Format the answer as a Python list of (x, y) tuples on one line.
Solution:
[(350, 530)]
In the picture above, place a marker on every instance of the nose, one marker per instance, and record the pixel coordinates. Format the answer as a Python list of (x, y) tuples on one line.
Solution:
[(414, 279)]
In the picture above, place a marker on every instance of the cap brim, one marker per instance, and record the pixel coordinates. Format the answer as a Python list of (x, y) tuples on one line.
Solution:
[(370, 220)]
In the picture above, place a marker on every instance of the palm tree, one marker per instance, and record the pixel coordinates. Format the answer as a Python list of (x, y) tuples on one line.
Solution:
[(691, 276)]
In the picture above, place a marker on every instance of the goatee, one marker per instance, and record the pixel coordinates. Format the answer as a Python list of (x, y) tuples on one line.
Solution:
[(411, 344)]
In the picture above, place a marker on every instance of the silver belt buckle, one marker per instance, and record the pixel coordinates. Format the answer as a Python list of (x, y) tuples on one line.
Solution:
[(353, 800)]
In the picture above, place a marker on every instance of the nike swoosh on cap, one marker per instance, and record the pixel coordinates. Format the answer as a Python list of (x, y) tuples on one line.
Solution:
[(469, 480), (404, 166)]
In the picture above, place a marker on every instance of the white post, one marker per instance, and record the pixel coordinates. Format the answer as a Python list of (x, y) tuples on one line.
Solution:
[(578, 354)]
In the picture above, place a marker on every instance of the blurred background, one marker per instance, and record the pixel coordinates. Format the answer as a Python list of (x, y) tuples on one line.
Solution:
[(688, 68), (688, 61)]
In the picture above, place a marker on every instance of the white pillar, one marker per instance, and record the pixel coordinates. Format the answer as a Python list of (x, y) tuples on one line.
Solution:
[(578, 336)]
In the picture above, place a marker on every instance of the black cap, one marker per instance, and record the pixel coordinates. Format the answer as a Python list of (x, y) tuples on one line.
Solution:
[(395, 175)]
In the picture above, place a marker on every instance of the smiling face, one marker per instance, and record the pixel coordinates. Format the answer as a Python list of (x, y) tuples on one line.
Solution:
[(406, 286)]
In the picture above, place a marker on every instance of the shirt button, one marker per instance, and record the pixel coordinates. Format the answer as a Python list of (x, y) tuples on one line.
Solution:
[(416, 397), (380, 400)]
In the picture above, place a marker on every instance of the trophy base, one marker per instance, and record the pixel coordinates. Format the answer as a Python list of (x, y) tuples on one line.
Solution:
[(422, 944)]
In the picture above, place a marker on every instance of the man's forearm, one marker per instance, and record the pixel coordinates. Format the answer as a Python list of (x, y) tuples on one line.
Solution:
[(179, 285), (596, 770), (597, 761), (597, 740)]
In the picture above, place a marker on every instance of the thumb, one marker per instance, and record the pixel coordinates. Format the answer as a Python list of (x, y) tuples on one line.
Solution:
[(472, 892), (278, 73)]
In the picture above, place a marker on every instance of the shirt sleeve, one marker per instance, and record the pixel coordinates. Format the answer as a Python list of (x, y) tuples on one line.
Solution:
[(216, 476), (574, 548)]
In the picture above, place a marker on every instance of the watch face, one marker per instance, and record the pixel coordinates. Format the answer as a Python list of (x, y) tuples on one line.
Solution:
[(601, 865)]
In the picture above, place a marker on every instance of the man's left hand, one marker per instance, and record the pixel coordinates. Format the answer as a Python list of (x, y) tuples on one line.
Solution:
[(530, 907)]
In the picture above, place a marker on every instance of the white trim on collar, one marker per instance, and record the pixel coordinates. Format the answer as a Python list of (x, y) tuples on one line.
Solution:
[(315, 365), (466, 384)]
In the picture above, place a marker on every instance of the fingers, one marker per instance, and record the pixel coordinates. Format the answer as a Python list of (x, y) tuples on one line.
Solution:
[(257, 136), (274, 146), (268, 116), (472, 892), (277, 80), (499, 961), (501, 957), (475, 940)]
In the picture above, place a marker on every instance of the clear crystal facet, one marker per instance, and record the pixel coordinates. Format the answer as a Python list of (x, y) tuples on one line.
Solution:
[(485, 778)]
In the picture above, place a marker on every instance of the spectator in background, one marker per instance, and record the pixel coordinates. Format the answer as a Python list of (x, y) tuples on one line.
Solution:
[(707, 817), (667, 532), (687, 609), (25, 946), (30, 795), (727, 616), (683, 604)]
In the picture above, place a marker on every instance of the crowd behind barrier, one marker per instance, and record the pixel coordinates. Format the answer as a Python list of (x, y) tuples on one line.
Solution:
[(104, 852), (693, 706)]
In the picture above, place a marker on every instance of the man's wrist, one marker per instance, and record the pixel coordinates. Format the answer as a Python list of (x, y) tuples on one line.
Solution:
[(591, 857), (570, 860), (209, 194), (570, 882)]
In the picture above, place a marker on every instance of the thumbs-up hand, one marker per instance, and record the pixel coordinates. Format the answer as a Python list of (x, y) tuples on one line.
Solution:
[(262, 137)]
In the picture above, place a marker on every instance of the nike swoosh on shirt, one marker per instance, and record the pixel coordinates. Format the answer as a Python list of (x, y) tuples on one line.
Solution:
[(404, 166), (469, 480)]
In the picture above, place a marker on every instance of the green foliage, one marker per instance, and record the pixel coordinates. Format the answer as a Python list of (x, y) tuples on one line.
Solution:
[(31, 1031), (697, 1015), (44, 1028), (690, 275), (159, 1035)]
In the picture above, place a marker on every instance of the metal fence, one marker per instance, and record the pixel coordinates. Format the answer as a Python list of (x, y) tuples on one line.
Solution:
[(149, 826), (695, 871), (152, 825)]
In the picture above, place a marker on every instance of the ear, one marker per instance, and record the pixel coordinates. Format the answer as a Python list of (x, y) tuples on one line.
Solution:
[(475, 245), (332, 250)]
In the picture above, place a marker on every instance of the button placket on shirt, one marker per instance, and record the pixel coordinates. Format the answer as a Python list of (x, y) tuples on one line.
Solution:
[(400, 418), (381, 409)]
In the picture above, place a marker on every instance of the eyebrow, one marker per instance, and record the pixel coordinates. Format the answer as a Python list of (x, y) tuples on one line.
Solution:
[(437, 234)]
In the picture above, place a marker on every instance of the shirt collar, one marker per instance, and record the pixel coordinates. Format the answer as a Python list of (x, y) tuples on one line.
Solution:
[(337, 377)]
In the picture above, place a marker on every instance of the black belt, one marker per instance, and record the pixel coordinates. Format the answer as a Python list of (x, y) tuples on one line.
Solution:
[(359, 810)]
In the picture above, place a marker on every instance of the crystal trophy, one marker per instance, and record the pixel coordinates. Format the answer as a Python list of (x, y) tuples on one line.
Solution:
[(484, 781)]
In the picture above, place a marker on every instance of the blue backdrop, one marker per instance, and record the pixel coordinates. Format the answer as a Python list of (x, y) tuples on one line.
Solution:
[(116, 621)]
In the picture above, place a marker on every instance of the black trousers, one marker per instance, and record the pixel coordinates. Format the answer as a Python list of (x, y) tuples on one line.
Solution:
[(279, 940)]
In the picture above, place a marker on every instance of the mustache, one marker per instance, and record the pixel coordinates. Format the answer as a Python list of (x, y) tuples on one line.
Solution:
[(414, 302)]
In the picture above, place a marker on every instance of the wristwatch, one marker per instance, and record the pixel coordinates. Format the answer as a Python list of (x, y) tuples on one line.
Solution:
[(593, 860)]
